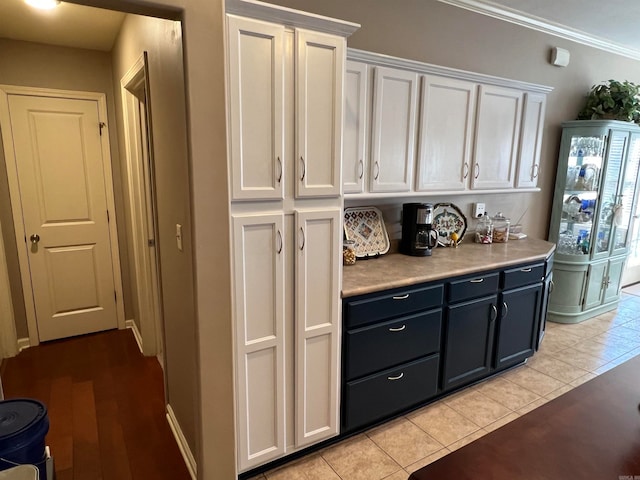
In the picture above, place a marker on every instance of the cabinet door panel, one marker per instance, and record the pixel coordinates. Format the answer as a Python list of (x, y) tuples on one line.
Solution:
[(517, 325), (256, 89), (354, 137), (497, 135), (320, 60), (614, 276), (469, 341), (531, 140), (393, 131), (595, 279), (259, 322), (318, 261), (446, 133)]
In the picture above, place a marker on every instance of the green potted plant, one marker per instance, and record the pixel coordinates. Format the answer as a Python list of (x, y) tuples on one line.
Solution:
[(614, 101)]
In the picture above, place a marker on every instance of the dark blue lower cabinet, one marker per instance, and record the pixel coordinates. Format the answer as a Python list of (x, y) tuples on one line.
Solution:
[(391, 391)]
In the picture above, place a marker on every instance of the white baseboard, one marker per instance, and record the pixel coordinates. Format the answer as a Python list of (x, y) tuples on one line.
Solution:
[(23, 343), (189, 460), (136, 333)]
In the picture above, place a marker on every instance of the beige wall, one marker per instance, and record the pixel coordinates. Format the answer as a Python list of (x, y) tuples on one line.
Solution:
[(36, 65), (433, 32), (162, 39)]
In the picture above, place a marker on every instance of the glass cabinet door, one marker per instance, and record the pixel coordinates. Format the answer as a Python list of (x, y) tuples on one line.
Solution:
[(609, 196), (580, 197), (626, 200)]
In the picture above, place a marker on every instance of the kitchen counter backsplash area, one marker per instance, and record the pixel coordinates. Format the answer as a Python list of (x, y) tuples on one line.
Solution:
[(511, 205), (397, 270)]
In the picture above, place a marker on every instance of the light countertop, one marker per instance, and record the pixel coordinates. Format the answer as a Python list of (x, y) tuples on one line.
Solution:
[(397, 270)]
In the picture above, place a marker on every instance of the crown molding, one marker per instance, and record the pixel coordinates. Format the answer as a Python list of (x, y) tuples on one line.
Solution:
[(290, 17), (541, 25), (381, 60)]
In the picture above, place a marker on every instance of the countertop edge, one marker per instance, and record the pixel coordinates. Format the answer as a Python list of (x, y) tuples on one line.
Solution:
[(414, 280)]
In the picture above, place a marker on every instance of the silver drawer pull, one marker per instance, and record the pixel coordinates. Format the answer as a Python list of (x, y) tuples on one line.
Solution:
[(477, 280), (396, 378), (399, 329), (526, 270), (401, 297)]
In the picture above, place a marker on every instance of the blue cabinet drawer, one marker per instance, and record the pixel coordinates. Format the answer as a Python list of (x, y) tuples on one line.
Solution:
[(379, 396), (391, 305), (521, 276), (384, 345), (473, 287)]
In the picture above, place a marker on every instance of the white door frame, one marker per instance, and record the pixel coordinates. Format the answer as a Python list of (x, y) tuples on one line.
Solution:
[(148, 296), (16, 207)]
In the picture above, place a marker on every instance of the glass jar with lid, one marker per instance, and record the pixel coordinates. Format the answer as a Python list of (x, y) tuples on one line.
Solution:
[(501, 228), (484, 229), (349, 252)]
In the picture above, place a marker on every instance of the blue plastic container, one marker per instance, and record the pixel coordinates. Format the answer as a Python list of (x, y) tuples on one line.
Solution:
[(23, 427)]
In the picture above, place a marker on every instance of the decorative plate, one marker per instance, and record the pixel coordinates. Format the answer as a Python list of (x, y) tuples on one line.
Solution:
[(365, 226), (447, 218)]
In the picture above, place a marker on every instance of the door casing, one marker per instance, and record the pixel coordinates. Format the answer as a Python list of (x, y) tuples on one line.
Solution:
[(16, 207)]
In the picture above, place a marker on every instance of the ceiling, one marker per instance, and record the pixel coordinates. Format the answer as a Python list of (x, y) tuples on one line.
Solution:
[(66, 25), (610, 25)]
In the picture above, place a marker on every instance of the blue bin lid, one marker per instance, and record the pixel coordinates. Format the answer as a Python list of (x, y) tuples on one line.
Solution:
[(19, 415)]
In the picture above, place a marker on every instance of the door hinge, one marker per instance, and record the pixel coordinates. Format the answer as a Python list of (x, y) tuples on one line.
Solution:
[(108, 216), (115, 296), (101, 125)]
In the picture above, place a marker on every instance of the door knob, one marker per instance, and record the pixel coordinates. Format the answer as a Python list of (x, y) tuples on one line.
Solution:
[(35, 238)]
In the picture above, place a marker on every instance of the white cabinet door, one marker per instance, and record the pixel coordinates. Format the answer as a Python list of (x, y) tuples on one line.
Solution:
[(354, 133), (393, 130), (446, 134), (318, 263), (256, 89), (497, 134), (259, 315), (531, 140), (320, 60)]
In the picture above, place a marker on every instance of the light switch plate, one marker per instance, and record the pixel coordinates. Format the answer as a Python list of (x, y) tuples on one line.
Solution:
[(179, 236)]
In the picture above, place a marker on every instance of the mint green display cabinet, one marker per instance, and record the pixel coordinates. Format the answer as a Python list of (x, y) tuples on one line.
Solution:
[(594, 198)]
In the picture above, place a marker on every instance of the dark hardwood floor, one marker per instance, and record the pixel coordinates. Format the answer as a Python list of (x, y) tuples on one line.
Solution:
[(106, 407), (589, 433)]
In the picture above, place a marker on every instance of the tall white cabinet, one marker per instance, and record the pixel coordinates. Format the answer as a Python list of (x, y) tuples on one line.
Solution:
[(285, 137)]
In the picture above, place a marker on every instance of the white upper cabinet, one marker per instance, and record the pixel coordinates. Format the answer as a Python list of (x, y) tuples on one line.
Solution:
[(447, 115), (355, 131), (531, 140), (320, 60), (393, 130), (317, 283), (498, 120), (256, 93)]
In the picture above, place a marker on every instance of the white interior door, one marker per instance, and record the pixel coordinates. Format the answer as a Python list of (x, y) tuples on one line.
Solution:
[(631, 272), (59, 163)]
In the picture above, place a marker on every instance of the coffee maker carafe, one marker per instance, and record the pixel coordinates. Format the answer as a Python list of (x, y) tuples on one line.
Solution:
[(418, 236)]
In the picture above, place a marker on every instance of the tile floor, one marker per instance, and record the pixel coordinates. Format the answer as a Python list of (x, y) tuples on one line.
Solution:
[(570, 355)]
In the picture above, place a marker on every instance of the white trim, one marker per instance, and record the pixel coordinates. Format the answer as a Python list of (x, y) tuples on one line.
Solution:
[(132, 80), (23, 344), (136, 333), (8, 336), (545, 26), (12, 174), (382, 60), (290, 17), (435, 193), (188, 457)]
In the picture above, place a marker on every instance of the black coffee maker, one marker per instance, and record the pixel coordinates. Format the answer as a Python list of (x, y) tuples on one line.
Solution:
[(418, 236)]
